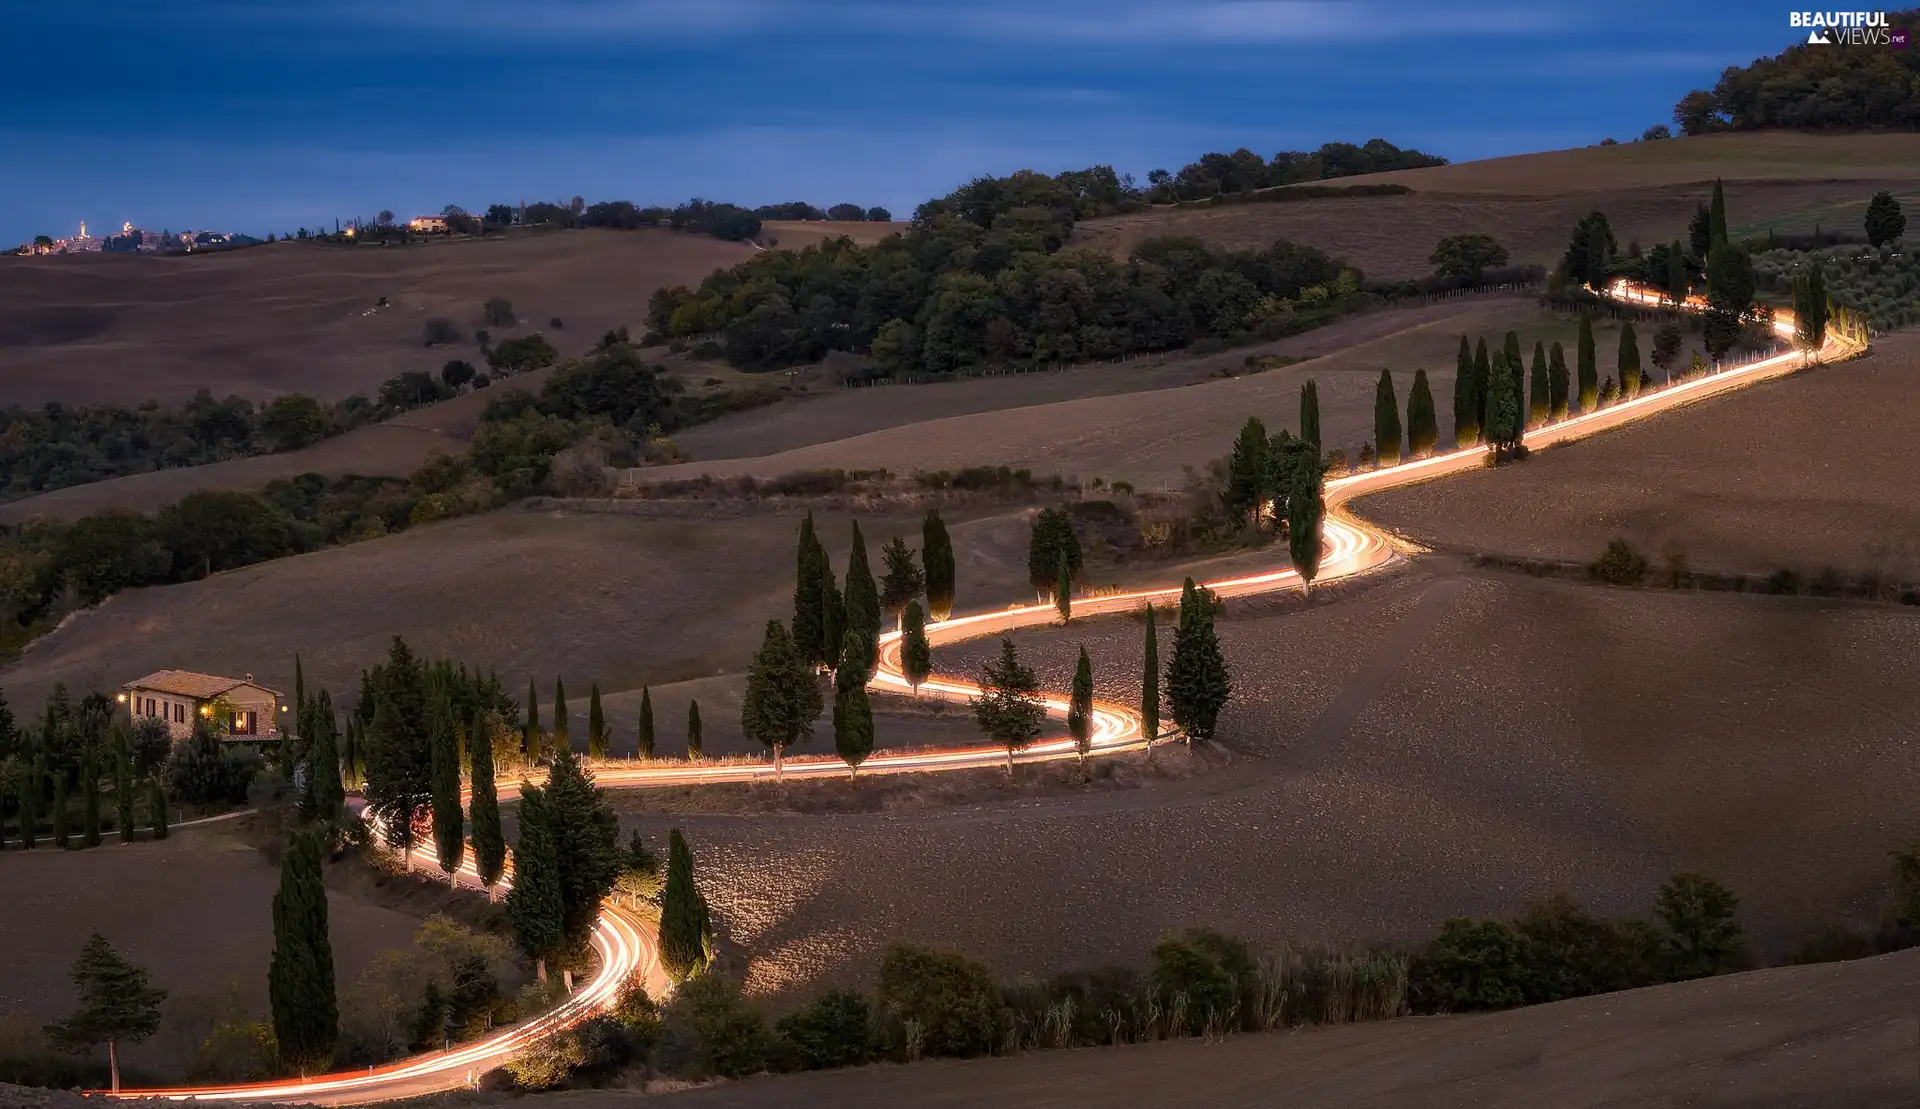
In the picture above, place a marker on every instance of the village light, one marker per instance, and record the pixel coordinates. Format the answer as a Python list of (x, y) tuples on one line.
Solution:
[(120, 697), (206, 710)]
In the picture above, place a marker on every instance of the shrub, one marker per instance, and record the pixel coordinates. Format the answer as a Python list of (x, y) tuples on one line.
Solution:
[(498, 312), (951, 999), (1472, 964), (835, 1030), (1210, 971), (1619, 564), (199, 772), (439, 332), (709, 351), (547, 1062), (1831, 944), (1701, 933), (709, 1030), (1572, 953)]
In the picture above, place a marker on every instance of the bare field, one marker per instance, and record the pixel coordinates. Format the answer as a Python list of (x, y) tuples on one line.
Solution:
[(292, 317), (1801, 473), (195, 909), (1146, 437), (1841, 1034), (800, 234), (1442, 744)]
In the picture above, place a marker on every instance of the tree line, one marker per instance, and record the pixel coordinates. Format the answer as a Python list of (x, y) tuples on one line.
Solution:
[(1813, 88), (1243, 170)]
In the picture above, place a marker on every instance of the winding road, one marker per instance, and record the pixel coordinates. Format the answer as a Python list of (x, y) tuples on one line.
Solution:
[(625, 941)]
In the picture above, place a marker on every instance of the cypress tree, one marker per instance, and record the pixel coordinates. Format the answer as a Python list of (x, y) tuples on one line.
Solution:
[(596, 724), (449, 823), (530, 735), (1717, 217), (1063, 590), (1247, 471), (644, 745), (586, 837), (1466, 406), (289, 755), (1677, 280), (685, 928), (1198, 685), (1589, 367), (833, 618), (936, 558), (916, 654), (399, 753), (1310, 413), (122, 785), (1009, 708), (903, 581), (300, 980), (863, 602), (157, 808), (325, 795), (1423, 424), (350, 750), (852, 726), (1050, 537), (1150, 681), (1540, 402), (1080, 707), (1504, 423), (1557, 382), (489, 843), (1516, 368), (1305, 509), (783, 695), (562, 742), (534, 903), (1482, 381), (693, 730), (1386, 420), (1629, 362), (60, 809), (809, 630)]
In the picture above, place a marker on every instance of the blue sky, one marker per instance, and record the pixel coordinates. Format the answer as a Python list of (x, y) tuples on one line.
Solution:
[(258, 115)]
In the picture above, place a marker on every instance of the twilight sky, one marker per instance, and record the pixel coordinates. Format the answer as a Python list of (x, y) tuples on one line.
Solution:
[(263, 115)]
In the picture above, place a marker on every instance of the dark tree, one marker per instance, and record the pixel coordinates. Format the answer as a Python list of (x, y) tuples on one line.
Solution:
[(530, 735), (399, 783), (1679, 282), (326, 795), (1467, 256), (157, 808), (1423, 425), (783, 695), (1466, 405), (1591, 251), (1717, 218), (1150, 680), (535, 904), (1810, 309), (1629, 362), (1482, 382), (902, 581), (122, 787), (1589, 367), (1080, 707), (1557, 382), (89, 804), (686, 930), (117, 1002), (586, 837), (1700, 234), (1305, 511), (1310, 413), (1247, 472), (1386, 420), (1666, 347), (1505, 425), (833, 618), (489, 843), (1063, 590), (1885, 221), (1008, 708), (562, 742), (596, 724), (290, 745), (449, 823), (1198, 685), (300, 980), (916, 654), (852, 712), (60, 836), (809, 622), (1052, 537), (936, 556), (1700, 927), (643, 746), (863, 604)]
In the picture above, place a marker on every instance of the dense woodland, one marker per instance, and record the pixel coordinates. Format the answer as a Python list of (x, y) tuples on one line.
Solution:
[(1813, 88)]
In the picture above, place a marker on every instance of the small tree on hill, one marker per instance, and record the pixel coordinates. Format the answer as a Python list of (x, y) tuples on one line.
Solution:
[(596, 724), (1885, 221), (1466, 256), (936, 556), (643, 743), (1667, 342), (694, 745), (1008, 708), (1386, 420), (1310, 413), (686, 930), (489, 843), (902, 582), (1466, 405), (1198, 685), (1629, 362), (916, 654), (783, 695), (1423, 427), (300, 980), (1700, 927), (1247, 473), (117, 1003), (1080, 707)]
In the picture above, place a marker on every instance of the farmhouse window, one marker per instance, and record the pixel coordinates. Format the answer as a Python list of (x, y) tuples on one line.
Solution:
[(243, 723)]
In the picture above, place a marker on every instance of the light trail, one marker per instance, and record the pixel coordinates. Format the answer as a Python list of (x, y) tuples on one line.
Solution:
[(625, 942)]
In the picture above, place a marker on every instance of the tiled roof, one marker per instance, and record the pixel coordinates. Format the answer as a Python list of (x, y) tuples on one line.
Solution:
[(186, 683)]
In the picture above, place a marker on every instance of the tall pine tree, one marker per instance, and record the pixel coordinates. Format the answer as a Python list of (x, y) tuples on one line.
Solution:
[(903, 581), (1589, 367), (1310, 413), (809, 623), (300, 980), (1423, 425), (643, 744), (1629, 362), (783, 695), (1466, 405), (695, 748), (449, 823), (1150, 681), (1247, 472), (562, 742), (833, 617), (596, 724), (399, 757), (916, 653), (1540, 398), (326, 795), (535, 905), (1516, 369), (292, 747), (1717, 217), (863, 603), (489, 842), (936, 557), (1386, 420), (1198, 685), (586, 837), (852, 711), (1557, 383), (1482, 382), (1063, 590), (1305, 509), (1080, 707), (685, 927), (1679, 281), (117, 1002)]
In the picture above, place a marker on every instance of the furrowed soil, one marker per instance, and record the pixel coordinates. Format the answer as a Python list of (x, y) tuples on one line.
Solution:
[(1443, 743), (1840, 1034), (1803, 473), (295, 317), (1530, 202)]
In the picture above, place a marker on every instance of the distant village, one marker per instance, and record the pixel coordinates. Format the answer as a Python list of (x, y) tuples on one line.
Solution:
[(132, 240)]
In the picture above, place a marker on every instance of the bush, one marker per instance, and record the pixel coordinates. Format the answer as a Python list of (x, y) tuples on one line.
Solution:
[(1210, 971), (1572, 953), (548, 1062), (835, 1030), (709, 1030), (440, 332), (950, 999), (1701, 933), (498, 312), (199, 772), (1472, 965), (1619, 564)]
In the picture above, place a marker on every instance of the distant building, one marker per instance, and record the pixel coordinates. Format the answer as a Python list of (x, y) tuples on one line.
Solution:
[(428, 225), (247, 712)]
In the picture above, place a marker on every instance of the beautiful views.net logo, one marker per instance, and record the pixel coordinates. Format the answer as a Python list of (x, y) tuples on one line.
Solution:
[(1848, 29)]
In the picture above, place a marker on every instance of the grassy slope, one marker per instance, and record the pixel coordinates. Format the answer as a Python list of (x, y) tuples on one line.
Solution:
[(286, 317), (1530, 201), (1832, 1035)]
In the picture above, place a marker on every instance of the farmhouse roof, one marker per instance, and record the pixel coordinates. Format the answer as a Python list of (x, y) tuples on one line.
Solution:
[(187, 683)]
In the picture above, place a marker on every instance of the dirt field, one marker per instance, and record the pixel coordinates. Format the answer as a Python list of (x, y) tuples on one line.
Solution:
[(1798, 473), (1444, 743), (1791, 1038), (195, 909), (800, 234), (1530, 202), (1146, 437), (280, 318)]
